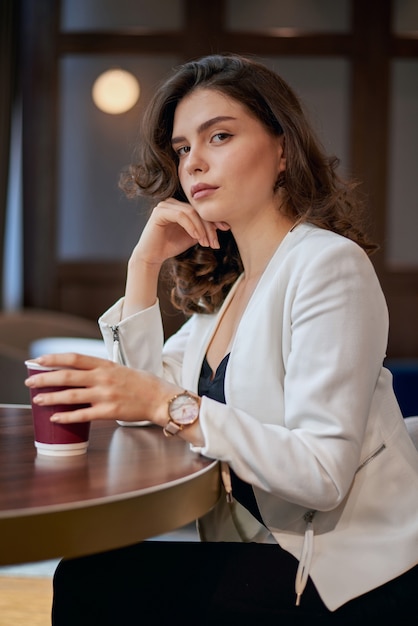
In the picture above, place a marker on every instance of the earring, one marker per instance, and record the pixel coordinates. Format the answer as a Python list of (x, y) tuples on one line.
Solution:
[(280, 181)]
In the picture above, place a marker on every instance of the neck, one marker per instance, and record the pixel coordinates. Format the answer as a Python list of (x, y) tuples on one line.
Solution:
[(258, 246)]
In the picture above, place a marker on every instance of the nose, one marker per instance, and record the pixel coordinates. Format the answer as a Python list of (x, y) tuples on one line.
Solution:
[(195, 162)]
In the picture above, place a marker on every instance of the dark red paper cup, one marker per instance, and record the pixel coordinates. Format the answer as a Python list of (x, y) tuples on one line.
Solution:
[(51, 438)]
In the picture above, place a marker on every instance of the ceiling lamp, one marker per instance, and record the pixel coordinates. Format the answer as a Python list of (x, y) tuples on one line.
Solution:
[(115, 91)]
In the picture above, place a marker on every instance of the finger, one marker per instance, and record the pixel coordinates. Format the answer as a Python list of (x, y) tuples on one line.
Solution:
[(222, 225), (186, 216), (71, 360), (90, 413), (70, 396), (70, 417), (99, 379), (211, 235), (65, 377)]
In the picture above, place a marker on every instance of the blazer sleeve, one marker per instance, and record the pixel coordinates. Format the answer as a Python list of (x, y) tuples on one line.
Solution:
[(141, 341)]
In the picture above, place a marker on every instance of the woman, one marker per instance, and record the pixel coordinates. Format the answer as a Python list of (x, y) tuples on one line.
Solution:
[(281, 360)]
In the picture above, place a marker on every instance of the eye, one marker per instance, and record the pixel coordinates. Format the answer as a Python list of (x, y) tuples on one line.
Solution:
[(220, 137), (182, 151)]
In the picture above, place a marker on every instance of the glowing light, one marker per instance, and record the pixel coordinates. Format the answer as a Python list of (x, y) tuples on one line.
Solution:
[(115, 91)]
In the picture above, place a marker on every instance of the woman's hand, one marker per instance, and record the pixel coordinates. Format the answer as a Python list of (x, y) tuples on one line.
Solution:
[(115, 392), (172, 228)]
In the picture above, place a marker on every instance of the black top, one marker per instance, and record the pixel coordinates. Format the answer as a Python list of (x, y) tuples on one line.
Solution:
[(213, 387)]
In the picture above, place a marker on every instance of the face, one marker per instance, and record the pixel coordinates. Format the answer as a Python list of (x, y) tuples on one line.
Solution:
[(228, 162)]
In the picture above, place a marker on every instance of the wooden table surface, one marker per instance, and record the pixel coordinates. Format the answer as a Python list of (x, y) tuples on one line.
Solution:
[(132, 484)]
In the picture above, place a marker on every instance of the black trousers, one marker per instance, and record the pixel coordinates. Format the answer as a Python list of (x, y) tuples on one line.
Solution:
[(221, 584)]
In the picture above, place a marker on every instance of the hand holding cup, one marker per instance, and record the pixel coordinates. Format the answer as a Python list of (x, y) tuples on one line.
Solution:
[(52, 438)]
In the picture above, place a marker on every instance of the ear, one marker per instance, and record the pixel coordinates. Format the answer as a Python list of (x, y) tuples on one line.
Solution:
[(282, 154)]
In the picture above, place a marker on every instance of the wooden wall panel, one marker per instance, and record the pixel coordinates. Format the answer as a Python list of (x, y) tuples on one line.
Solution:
[(369, 47), (88, 289)]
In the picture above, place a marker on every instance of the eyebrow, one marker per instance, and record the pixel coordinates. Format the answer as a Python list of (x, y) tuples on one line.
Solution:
[(204, 126)]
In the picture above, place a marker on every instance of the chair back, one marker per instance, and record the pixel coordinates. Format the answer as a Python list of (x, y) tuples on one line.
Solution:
[(19, 329), (12, 375)]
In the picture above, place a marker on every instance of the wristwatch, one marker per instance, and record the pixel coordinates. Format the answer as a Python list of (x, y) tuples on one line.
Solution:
[(183, 410)]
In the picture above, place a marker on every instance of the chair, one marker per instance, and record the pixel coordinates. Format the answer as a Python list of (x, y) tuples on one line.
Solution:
[(412, 427), (82, 345), (405, 384), (19, 333), (12, 374), (18, 329)]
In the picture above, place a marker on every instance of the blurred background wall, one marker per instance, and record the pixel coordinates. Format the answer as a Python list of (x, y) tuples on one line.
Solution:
[(67, 230)]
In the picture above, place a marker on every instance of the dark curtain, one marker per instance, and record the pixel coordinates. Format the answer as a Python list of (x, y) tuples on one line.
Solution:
[(9, 46)]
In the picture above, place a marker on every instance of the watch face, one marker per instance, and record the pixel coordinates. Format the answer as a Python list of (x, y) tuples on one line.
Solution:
[(184, 409)]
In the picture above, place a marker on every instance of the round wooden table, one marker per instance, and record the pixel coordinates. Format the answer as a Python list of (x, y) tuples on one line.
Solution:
[(132, 484)]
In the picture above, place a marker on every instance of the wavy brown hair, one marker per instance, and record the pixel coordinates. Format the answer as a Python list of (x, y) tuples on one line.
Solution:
[(311, 188)]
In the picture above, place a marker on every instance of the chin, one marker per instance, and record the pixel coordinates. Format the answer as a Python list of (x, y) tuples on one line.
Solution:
[(210, 214)]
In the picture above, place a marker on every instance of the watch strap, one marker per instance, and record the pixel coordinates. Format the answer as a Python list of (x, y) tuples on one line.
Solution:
[(171, 429)]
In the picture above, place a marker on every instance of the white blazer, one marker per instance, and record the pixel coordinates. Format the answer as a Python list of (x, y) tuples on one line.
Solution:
[(310, 420)]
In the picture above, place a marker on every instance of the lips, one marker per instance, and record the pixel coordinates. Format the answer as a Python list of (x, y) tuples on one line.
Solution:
[(200, 189)]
